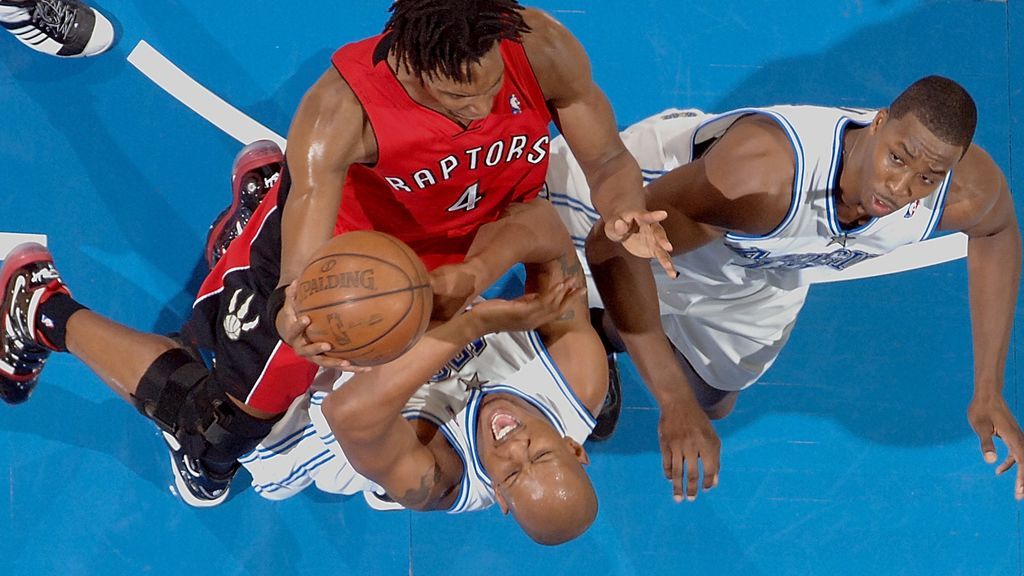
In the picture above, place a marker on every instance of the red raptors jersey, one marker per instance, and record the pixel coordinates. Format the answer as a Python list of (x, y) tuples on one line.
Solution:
[(436, 182)]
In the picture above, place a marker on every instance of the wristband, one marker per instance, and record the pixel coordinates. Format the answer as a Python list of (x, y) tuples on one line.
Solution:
[(274, 303)]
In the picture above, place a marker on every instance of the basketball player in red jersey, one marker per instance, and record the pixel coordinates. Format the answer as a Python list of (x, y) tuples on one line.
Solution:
[(435, 126), (434, 131)]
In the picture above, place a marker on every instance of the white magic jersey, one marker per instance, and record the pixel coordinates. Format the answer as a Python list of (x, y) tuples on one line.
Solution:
[(735, 301), (301, 450)]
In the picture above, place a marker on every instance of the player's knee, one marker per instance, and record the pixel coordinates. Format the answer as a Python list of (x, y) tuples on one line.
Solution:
[(178, 394), (723, 407)]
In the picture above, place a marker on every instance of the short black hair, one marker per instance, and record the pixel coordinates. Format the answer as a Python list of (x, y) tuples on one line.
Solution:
[(943, 106), (434, 37)]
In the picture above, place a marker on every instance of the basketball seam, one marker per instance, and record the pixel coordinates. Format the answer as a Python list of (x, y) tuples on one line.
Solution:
[(411, 288), (361, 298), (405, 315), (416, 264)]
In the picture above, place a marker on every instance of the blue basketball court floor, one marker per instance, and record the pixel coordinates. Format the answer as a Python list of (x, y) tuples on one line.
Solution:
[(852, 456)]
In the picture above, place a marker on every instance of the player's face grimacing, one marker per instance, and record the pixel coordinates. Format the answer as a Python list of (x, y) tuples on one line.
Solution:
[(906, 163), (520, 449), (472, 100)]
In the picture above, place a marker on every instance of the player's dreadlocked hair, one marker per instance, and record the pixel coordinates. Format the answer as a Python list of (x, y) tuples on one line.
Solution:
[(943, 106), (442, 36)]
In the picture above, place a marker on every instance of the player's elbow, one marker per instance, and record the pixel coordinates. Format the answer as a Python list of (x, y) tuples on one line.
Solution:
[(343, 413)]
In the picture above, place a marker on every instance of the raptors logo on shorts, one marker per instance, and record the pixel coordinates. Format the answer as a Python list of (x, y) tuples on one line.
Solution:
[(235, 321)]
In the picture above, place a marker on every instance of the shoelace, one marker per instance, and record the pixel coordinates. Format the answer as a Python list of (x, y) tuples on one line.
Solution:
[(55, 17)]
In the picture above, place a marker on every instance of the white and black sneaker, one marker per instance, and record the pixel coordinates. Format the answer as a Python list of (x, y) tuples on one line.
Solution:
[(195, 485), (64, 28)]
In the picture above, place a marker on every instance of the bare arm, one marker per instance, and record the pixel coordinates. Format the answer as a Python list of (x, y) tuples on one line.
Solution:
[(365, 413), (327, 135), (587, 122), (365, 416), (981, 205), (526, 233), (741, 184)]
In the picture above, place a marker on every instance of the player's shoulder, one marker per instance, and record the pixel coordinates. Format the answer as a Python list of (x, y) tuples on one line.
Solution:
[(556, 56), (975, 174), (331, 113), (974, 189), (331, 93), (753, 156)]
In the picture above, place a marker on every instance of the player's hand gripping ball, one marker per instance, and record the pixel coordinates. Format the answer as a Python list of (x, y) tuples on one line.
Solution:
[(368, 295)]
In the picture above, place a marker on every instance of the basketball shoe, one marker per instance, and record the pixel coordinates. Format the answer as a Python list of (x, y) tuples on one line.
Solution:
[(28, 279), (196, 485), (256, 169), (64, 28)]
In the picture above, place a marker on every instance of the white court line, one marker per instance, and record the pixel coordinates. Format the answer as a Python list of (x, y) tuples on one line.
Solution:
[(244, 129), (194, 95), (8, 240)]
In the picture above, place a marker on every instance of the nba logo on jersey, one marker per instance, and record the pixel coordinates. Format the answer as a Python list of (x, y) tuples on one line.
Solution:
[(513, 102), (911, 209)]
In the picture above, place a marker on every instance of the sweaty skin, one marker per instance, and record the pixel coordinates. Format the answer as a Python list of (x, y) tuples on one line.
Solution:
[(331, 131)]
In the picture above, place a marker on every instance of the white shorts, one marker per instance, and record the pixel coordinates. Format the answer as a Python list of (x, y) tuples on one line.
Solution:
[(731, 334), (301, 451)]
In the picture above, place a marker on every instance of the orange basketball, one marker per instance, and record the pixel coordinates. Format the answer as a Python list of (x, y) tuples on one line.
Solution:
[(368, 295)]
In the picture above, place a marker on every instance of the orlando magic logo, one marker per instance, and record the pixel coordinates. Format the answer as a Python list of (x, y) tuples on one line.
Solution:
[(513, 103), (758, 258)]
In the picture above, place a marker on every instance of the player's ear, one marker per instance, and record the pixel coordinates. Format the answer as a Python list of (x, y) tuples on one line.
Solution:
[(501, 502), (577, 450), (881, 117)]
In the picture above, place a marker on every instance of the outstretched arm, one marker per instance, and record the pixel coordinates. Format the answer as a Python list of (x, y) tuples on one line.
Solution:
[(985, 212), (741, 184), (587, 122), (365, 413)]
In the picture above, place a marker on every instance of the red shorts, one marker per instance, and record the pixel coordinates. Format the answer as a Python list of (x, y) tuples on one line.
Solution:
[(229, 314)]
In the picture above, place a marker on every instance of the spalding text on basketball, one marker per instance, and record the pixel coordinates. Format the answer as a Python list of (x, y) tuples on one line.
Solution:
[(347, 279)]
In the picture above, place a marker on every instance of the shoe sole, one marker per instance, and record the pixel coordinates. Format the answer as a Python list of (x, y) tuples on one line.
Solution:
[(182, 488), (20, 256), (259, 153)]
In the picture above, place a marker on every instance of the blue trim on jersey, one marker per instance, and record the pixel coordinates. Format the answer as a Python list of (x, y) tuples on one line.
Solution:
[(557, 198), (548, 413), (266, 452), (300, 471), (798, 176), (563, 385), (831, 216), (650, 175), (420, 414), (471, 423), (940, 206)]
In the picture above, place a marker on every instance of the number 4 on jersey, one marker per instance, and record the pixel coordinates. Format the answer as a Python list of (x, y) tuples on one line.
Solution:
[(468, 199)]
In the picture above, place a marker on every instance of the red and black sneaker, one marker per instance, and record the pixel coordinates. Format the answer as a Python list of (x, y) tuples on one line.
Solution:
[(28, 278), (256, 169)]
